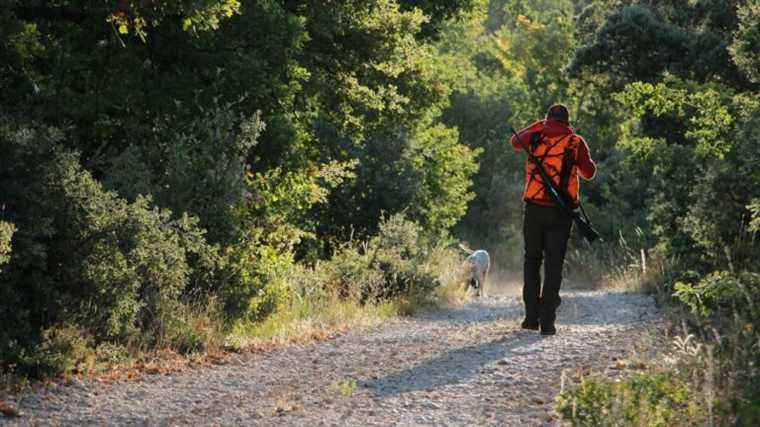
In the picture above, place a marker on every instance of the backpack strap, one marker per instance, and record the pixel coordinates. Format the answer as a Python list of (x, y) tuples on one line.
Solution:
[(568, 161)]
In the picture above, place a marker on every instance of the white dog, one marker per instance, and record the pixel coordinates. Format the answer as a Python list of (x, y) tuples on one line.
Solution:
[(479, 264)]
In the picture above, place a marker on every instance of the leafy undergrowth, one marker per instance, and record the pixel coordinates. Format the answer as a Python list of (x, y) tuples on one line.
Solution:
[(300, 322), (398, 272), (703, 372), (653, 398)]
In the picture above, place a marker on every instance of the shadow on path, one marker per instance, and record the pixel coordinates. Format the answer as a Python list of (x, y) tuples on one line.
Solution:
[(452, 367)]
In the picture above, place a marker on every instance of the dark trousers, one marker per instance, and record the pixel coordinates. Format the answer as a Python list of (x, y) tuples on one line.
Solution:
[(546, 231)]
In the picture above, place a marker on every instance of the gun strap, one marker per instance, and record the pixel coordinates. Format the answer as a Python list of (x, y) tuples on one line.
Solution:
[(535, 139)]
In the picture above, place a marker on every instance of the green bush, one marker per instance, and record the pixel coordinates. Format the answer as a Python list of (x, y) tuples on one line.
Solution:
[(723, 294), (401, 252), (198, 169), (726, 307), (647, 398), (348, 273), (257, 286), (84, 257), (133, 259), (394, 263), (271, 221), (62, 349), (747, 40)]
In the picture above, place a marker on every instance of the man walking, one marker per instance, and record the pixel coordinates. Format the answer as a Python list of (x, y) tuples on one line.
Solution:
[(546, 229)]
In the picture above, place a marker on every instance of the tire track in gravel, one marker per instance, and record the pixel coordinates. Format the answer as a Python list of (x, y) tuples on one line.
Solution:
[(463, 366)]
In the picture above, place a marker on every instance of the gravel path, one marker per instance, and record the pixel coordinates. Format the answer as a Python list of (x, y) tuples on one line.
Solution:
[(463, 366)]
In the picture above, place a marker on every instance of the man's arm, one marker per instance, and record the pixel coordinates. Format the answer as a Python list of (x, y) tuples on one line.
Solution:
[(525, 135), (586, 165)]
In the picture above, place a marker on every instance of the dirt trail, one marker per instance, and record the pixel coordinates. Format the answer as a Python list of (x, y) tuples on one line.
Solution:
[(464, 366)]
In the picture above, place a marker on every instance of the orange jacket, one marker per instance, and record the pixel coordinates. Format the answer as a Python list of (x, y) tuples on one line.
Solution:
[(562, 152)]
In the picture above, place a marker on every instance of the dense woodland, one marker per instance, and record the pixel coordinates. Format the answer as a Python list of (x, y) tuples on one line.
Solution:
[(227, 160)]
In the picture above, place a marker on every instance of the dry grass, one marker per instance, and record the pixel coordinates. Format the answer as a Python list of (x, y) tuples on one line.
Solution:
[(307, 318)]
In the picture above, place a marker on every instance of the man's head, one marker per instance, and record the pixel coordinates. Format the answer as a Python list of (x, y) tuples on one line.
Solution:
[(559, 113)]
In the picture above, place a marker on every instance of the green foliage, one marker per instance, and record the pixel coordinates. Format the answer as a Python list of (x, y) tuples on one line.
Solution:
[(269, 217), (394, 263), (682, 172), (131, 16), (647, 398), (62, 349), (257, 288), (724, 294), (138, 17), (349, 275), (619, 46), (699, 153), (148, 181), (520, 44), (444, 170), (425, 171), (401, 252), (703, 109), (134, 258), (746, 42), (754, 207), (438, 12), (114, 269), (199, 169), (644, 42)]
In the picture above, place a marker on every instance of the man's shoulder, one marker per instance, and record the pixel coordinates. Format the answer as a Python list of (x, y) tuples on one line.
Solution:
[(577, 138), (536, 126)]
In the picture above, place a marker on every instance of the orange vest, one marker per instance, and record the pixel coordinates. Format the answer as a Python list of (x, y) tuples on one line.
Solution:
[(557, 154)]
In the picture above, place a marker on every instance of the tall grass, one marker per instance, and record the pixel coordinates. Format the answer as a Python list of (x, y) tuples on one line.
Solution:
[(621, 264), (308, 318)]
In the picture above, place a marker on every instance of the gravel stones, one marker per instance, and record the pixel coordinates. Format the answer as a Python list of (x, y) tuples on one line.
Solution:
[(469, 365)]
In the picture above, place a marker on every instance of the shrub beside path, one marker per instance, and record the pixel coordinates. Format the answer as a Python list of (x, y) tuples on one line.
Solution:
[(469, 365)]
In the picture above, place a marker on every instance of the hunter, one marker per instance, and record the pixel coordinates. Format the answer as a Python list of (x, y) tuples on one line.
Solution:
[(565, 156)]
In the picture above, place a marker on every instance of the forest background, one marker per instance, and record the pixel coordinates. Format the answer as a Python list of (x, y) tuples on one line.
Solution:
[(192, 175)]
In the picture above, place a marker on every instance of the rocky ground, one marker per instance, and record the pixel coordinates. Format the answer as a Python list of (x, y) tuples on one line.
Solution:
[(470, 365)]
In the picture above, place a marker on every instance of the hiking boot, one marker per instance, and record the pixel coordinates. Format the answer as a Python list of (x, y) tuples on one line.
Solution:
[(529, 324), (548, 329), (546, 320)]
